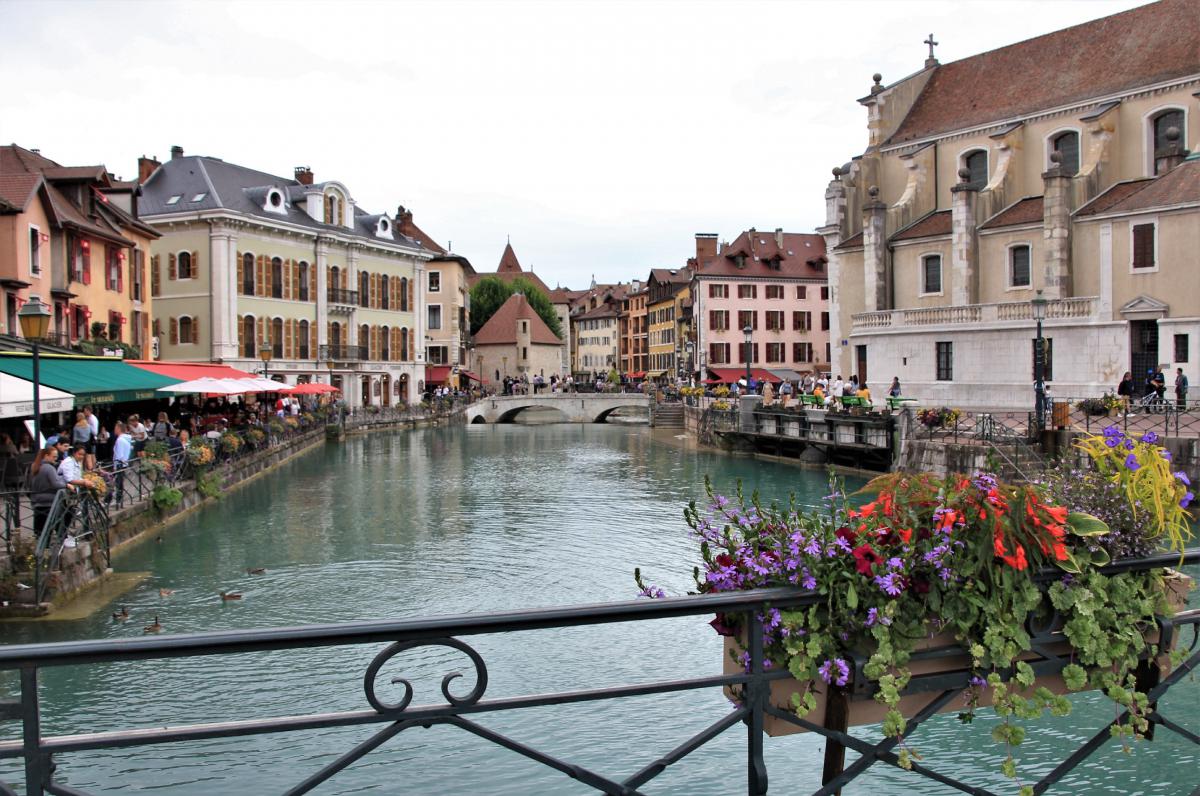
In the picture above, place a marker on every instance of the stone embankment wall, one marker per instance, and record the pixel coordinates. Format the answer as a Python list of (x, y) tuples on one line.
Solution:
[(83, 566)]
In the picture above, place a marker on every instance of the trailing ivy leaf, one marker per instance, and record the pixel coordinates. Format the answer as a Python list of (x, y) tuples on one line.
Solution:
[(1086, 525)]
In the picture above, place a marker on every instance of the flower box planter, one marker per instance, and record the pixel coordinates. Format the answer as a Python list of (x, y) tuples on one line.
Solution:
[(950, 659)]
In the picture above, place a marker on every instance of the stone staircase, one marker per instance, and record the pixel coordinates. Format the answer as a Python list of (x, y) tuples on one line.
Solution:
[(666, 415)]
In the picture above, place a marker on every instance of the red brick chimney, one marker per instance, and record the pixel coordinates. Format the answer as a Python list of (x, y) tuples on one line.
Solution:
[(146, 167), (706, 245), (304, 175)]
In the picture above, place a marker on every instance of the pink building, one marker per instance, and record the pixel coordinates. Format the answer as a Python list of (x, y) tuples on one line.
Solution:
[(776, 284)]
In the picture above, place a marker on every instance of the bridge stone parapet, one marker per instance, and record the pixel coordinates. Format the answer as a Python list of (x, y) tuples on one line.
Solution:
[(576, 407)]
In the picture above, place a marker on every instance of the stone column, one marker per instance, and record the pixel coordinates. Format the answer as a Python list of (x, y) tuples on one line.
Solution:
[(1056, 230), (875, 287), (964, 243), (322, 292), (222, 303)]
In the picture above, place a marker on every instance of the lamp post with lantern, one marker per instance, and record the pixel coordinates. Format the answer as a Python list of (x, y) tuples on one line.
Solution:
[(1039, 375), (35, 323), (747, 331)]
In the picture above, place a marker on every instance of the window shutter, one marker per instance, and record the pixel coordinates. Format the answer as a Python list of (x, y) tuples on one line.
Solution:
[(174, 326), (196, 330), (171, 265)]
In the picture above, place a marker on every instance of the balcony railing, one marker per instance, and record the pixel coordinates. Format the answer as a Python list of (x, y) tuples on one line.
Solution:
[(338, 295), (1004, 312), (343, 353)]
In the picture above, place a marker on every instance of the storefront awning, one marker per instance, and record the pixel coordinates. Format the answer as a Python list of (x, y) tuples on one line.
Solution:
[(92, 380), (436, 374), (731, 375), (16, 398), (190, 371)]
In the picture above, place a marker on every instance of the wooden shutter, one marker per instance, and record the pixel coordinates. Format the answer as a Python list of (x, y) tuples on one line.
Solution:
[(196, 330), (1143, 246), (171, 265), (174, 327)]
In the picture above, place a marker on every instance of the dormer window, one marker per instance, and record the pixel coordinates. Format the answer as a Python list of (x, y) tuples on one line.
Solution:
[(976, 162), (275, 203)]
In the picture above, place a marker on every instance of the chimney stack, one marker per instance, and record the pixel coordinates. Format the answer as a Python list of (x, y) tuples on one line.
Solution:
[(146, 167), (304, 175), (176, 152)]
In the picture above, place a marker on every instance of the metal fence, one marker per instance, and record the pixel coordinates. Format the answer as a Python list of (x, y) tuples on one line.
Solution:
[(457, 709)]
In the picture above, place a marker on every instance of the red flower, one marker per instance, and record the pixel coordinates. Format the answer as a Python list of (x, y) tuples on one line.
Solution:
[(865, 559)]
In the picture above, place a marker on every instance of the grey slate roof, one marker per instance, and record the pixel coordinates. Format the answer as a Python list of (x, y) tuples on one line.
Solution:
[(243, 190)]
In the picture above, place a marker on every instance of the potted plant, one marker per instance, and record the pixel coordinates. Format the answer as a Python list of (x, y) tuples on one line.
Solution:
[(963, 564)]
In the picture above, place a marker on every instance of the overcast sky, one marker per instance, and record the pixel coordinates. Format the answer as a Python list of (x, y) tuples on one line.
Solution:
[(599, 135)]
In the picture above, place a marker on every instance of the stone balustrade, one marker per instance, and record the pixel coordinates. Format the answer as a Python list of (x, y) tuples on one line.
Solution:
[(1081, 308)]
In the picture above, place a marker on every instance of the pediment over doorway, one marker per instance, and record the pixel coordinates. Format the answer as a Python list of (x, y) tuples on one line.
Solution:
[(1145, 308)]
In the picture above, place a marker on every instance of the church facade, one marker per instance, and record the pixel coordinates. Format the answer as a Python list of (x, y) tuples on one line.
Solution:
[(986, 186)]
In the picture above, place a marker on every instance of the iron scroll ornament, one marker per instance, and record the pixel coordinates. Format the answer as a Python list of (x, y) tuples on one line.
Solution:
[(476, 693)]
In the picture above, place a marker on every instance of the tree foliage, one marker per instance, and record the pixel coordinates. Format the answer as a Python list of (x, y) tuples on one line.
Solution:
[(491, 292)]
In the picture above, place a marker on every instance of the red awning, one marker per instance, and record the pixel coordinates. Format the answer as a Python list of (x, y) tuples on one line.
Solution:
[(731, 375), (436, 374), (188, 371)]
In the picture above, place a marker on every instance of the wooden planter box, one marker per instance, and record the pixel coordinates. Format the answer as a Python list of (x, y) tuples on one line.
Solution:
[(868, 711)]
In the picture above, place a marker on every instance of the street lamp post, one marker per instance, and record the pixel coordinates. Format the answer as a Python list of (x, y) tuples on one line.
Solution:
[(1039, 382), (748, 330), (35, 322)]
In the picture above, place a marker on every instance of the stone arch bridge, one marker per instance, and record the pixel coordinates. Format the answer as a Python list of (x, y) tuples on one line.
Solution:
[(576, 407)]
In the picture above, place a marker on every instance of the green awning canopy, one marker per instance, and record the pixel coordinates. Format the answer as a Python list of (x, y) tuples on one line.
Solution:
[(92, 380)]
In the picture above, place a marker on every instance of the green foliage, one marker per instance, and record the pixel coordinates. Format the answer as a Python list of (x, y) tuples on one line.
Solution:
[(491, 292), (210, 484), (165, 497)]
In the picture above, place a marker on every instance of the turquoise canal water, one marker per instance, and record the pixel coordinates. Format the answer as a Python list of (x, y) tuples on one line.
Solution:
[(477, 519)]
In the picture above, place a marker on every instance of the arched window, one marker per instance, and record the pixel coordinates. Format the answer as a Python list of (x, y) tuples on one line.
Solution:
[(364, 341), (1163, 121), (277, 338), (186, 331), (247, 274), (249, 343), (303, 279), (335, 338), (404, 295), (1067, 145), (976, 162), (184, 260), (404, 345), (276, 277), (364, 289), (385, 348), (383, 293), (303, 334)]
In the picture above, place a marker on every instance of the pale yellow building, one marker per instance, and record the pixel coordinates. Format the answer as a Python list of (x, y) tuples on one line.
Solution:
[(1020, 172), (249, 259)]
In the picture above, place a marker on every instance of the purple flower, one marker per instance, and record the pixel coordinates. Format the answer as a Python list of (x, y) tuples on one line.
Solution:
[(890, 584), (1149, 438), (1131, 461)]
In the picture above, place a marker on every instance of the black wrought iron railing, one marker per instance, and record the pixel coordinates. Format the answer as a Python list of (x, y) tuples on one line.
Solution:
[(458, 707), (340, 295), (342, 353)]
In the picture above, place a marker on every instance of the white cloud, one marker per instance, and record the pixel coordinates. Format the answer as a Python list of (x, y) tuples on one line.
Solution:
[(600, 136)]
